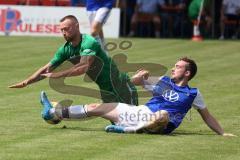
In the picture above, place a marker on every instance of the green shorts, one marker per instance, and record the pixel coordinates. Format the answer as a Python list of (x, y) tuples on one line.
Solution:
[(121, 90)]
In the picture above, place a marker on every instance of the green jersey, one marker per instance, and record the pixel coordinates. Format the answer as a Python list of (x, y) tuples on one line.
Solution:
[(103, 70), (194, 9)]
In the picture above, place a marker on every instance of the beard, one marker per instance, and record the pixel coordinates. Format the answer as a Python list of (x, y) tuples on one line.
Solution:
[(69, 38)]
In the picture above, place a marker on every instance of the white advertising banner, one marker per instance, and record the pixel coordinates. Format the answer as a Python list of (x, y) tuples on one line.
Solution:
[(44, 21)]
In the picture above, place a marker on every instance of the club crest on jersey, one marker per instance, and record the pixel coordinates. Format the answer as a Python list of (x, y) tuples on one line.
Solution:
[(170, 95), (87, 51)]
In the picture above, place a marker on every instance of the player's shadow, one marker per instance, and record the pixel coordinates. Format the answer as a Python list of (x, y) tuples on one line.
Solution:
[(65, 127), (101, 129), (186, 133)]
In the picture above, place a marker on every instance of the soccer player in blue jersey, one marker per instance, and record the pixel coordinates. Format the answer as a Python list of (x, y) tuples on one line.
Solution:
[(98, 12), (163, 113)]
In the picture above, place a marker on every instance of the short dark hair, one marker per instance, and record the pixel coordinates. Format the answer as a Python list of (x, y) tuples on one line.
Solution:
[(191, 66), (72, 17)]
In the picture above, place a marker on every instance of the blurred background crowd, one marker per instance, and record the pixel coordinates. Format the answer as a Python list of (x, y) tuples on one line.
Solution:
[(219, 19)]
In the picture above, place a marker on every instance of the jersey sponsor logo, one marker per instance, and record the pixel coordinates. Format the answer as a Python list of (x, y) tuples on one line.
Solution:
[(170, 95)]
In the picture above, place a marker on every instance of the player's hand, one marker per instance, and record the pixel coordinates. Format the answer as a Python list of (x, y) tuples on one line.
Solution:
[(229, 135), (142, 73), (20, 84)]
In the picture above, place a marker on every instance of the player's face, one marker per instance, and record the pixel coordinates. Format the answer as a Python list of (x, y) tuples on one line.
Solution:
[(69, 29), (179, 71)]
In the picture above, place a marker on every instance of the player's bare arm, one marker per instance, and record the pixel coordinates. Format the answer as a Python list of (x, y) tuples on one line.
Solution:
[(35, 77), (143, 78), (140, 75), (78, 69), (213, 123)]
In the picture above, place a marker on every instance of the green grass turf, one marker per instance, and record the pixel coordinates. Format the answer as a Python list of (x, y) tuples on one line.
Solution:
[(24, 135)]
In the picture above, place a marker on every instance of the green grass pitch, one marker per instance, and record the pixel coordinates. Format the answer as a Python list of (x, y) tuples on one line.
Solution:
[(25, 136)]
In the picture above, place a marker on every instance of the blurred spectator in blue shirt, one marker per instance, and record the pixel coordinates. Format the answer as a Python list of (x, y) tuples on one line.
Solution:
[(230, 11), (78, 2), (146, 10), (172, 12)]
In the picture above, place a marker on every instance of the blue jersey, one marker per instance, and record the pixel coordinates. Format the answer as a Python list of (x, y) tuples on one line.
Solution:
[(177, 100), (94, 5)]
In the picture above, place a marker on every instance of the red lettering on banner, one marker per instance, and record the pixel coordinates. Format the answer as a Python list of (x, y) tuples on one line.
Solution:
[(56, 28), (30, 28), (2, 19), (23, 28), (39, 28), (48, 28), (14, 29)]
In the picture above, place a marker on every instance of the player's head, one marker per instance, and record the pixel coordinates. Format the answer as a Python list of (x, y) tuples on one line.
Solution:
[(69, 27), (185, 68)]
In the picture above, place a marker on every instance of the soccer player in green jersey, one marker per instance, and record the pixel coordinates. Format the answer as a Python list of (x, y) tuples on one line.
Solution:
[(89, 58)]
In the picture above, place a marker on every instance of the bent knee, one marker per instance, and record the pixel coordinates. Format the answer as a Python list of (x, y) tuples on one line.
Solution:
[(164, 117)]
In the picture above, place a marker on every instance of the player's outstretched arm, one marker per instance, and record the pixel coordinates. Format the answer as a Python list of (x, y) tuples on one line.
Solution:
[(79, 69), (35, 77), (213, 123)]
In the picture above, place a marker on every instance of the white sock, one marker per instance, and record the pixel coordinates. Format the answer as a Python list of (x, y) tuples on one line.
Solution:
[(77, 112), (70, 113), (196, 31)]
